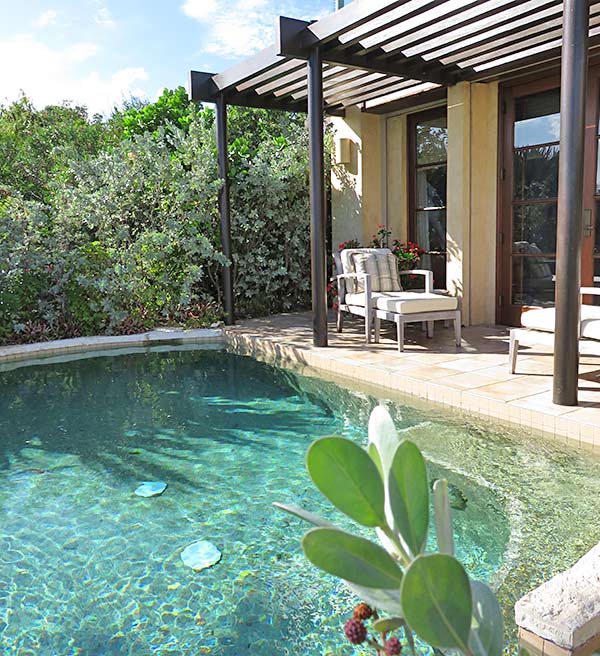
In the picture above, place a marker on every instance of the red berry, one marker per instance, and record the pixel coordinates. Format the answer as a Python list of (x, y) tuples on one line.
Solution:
[(392, 647), (355, 631), (363, 611)]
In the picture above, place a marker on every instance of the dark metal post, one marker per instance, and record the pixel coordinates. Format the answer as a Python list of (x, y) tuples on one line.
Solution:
[(224, 210), (570, 199), (317, 198)]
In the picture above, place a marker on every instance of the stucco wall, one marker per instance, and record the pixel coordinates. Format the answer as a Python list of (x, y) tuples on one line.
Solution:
[(346, 181), (397, 176), (373, 175), (472, 198)]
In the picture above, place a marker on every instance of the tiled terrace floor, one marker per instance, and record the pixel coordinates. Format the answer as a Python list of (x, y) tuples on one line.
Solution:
[(473, 379)]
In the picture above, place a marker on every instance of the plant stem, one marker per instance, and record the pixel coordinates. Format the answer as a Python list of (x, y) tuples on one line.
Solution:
[(405, 559)]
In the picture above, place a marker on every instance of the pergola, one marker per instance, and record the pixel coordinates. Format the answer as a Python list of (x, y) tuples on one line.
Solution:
[(379, 55)]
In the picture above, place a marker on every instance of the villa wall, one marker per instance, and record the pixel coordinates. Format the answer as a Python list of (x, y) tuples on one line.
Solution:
[(373, 189), (472, 198)]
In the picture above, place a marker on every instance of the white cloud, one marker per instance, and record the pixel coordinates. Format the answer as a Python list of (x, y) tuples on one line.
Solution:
[(62, 78), (103, 17), (240, 28), (199, 9), (46, 18)]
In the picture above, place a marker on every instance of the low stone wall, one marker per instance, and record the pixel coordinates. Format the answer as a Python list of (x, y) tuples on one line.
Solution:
[(562, 616), (164, 336)]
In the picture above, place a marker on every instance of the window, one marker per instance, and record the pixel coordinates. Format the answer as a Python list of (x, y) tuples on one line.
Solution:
[(429, 152)]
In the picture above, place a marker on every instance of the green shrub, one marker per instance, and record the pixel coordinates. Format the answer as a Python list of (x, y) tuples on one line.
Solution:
[(115, 226)]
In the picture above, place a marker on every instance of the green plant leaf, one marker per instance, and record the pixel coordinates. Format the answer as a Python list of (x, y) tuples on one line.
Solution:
[(347, 476), (385, 600), (351, 558), (383, 438), (386, 624), (409, 496), (436, 599), (372, 451), (443, 517), (306, 515), (486, 637)]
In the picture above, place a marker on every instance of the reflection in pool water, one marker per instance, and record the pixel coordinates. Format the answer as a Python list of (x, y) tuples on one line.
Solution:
[(87, 567)]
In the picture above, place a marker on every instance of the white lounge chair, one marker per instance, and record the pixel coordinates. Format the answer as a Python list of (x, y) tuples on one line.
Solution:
[(538, 328), (364, 291)]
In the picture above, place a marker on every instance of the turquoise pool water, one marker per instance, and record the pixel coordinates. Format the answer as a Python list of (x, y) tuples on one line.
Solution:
[(86, 567)]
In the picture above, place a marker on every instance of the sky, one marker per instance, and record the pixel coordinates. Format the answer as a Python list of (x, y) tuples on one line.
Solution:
[(99, 52)]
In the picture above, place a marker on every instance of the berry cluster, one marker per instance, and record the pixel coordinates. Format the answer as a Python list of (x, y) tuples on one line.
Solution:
[(356, 632)]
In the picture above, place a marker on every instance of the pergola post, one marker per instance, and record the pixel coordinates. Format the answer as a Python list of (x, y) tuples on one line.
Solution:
[(317, 197), (570, 199), (224, 208)]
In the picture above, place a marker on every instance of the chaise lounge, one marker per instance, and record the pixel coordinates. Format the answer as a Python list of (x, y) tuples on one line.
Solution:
[(369, 286), (538, 328)]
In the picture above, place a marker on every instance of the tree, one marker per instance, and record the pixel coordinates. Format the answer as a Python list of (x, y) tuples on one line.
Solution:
[(172, 107)]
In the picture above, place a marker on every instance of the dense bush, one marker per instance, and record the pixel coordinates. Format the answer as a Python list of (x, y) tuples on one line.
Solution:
[(112, 226)]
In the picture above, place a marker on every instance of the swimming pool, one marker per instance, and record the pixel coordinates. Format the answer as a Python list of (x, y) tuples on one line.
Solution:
[(87, 567)]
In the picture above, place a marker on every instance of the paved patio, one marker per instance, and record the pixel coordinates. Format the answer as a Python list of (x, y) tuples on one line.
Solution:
[(474, 379)]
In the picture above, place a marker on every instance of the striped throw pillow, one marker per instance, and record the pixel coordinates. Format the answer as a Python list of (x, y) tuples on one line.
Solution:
[(383, 269)]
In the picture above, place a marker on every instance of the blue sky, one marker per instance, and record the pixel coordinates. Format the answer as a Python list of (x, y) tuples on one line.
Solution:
[(97, 52)]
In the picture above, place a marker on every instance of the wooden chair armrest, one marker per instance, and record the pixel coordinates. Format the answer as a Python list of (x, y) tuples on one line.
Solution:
[(421, 272), (366, 277)]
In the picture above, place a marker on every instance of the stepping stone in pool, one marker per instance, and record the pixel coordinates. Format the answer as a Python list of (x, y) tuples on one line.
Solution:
[(200, 555), (151, 489)]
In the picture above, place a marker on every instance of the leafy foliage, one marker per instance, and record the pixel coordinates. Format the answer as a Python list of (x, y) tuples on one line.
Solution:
[(427, 594), (172, 107), (112, 226)]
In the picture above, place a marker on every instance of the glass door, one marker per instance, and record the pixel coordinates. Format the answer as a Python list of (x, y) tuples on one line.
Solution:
[(529, 198)]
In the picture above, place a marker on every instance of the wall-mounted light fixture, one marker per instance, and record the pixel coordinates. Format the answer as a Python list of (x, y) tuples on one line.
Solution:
[(343, 150)]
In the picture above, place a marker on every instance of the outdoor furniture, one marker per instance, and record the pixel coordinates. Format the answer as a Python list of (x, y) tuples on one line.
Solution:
[(369, 286), (538, 328)]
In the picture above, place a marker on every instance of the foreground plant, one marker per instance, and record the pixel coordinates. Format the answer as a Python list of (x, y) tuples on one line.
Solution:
[(427, 594)]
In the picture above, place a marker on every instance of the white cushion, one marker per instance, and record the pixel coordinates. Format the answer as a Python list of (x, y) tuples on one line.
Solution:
[(347, 260), (539, 319), (382, 268), (544, 319), (406, 302)]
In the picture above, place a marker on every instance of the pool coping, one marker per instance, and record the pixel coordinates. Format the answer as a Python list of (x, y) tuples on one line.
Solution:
[(157, 337)]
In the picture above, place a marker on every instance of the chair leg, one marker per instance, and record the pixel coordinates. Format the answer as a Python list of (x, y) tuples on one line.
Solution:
[(400, 325), (457, 329), (430, 329), (368, 327), (340, 320), (513, 350), (377, 322)]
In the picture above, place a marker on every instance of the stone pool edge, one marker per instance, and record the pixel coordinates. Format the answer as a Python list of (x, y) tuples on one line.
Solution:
[(571, 431), (157, 337)]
